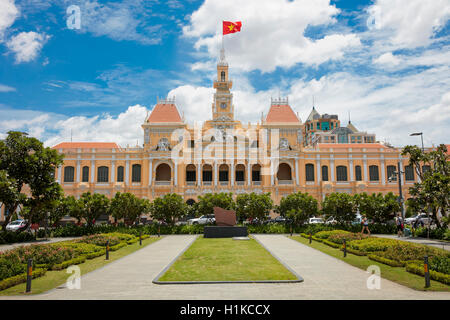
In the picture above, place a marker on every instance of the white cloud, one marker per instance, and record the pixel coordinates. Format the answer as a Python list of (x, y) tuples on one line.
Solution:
[(272, 33), (8, 14), (409, 23), (387, 59), (4, 88), (27, 45)]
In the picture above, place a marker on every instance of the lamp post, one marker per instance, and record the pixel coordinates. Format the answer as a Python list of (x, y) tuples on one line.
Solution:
[(392, 177), (421, 137)]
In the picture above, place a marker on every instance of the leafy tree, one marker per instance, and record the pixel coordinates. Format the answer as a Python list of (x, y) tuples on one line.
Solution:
[(9, 196), (93, 206), (298, 207), (433, 191), (65, 207), (341, 206), (168, 208), (377, 207), (252, 205), (207, 202), (27, 162), (128, 207)]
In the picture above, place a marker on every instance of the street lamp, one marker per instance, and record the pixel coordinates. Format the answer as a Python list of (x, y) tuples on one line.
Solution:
[(392, 178), (421, 137)]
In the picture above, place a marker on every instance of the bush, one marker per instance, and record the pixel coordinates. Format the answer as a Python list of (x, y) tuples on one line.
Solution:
[(331, 244), (348, 236), (389, 262), (41, 254), (440, 264), (372, 244), (118, 246), (404, 251), (327, 234), (419, 269), (21, 278), (14, 237), (100, 240), (438, 233), (355, 252), (70, 262), (10, 268)]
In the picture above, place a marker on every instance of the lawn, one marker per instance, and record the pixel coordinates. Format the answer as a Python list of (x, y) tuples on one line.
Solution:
[(226, 259), (53, 279), (395, 274)]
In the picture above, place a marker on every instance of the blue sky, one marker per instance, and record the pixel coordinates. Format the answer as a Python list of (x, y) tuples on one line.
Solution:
[(385, 62)]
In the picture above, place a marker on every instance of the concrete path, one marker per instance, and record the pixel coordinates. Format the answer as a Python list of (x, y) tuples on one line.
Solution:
[(429, 242), (324, 278), (5, 247)]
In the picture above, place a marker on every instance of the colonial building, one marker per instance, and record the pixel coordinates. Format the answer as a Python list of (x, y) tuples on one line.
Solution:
[(276, 155)]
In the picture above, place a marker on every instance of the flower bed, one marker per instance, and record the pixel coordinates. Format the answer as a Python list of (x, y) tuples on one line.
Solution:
[(405, 251), (416, 268), (327, 234), (372, 244), (100, 239), (348, 236)]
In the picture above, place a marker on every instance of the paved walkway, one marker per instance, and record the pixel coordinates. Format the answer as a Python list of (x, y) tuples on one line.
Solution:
[(324, 278), (5, 247)]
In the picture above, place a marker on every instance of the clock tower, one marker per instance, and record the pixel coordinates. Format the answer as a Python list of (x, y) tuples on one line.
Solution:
[(222, 107)]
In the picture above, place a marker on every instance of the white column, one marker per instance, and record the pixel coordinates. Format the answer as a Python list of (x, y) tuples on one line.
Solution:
[(175, 173), (272, 174), (92, 170), (113, 171), (215, 174), (365, 168), (332, 170), (78, 170), (402, 169), (199, 172), (232, 173), (59, 174), (318, 170), (127, 172), (296, 172), (150, 171), (352, 178), (383, 173), (249, 170)]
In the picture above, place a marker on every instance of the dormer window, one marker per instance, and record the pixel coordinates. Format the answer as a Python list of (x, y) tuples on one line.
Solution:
[(222, 76)]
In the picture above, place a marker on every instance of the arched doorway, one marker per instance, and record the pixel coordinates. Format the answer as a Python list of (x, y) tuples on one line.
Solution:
[(163, 173), (284, 172)]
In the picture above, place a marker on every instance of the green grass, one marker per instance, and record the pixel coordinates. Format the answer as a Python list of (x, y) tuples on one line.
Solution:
[(226, 260), (53, 279), (395, 274)]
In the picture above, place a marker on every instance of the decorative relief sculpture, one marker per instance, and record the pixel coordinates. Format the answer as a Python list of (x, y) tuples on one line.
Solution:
[(284, 144), (163, 145)]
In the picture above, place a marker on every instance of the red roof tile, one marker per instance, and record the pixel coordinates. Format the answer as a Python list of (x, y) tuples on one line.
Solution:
[(281, 113), (164, 113), (86, 145)]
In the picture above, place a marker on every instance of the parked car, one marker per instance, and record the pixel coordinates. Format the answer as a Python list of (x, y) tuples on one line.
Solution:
[(421, 218), (315, 220), (205, 219), (279, 219), (17, 225), (331, 220)]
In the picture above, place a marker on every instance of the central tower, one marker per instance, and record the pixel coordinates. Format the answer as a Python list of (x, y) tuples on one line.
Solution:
[(222, 107)]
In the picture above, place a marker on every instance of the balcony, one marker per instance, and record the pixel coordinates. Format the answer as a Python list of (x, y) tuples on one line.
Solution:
[(284, 182), (162, 183)]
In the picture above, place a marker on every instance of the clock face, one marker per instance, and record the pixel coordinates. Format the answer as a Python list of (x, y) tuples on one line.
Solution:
[(223, 105)]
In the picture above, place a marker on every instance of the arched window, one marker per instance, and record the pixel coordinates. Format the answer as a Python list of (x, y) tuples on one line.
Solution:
[(163, 172), (240, 172), (373, 173), (284, 172), (358, 175), (223, 172), (136, 173), (390, 173), (324, 173), (85, 177), (190, 202), (409, 173), (256, 172), (309, 168), (207, 172), (222, 76), (120, 174), (69, 173), (190, 173), (341, 173), (102, 174)]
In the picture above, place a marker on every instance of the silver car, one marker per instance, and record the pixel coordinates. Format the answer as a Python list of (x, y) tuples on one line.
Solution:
[(17, 225)]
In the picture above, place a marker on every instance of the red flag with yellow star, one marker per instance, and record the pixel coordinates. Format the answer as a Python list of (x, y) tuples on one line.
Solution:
[(231, 27)]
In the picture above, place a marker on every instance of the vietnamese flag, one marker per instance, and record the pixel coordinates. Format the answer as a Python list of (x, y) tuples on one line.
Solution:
[(231, 27)]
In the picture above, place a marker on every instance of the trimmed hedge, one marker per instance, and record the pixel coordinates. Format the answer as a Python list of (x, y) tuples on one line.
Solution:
[(7, 237), (389, 262), (331, 244), (67, 263), (419, 269), (21, 278), (355, 252), (95, 254), (118, 246)]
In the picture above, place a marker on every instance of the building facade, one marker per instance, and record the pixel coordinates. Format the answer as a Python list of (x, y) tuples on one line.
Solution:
[(225, 155)]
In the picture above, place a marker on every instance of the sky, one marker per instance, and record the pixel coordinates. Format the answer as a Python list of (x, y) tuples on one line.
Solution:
[(93, 70)]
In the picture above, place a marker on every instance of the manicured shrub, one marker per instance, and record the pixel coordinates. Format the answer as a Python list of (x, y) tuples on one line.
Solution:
[(68, 263), (15, 237), (118, 246), (372, 244), (419, 269), (327, 234), (355, 252), (100, 240), (348, 236), (331, 244), (41, 254), (405, 251), (20, 278), (10, 268), (440, 264), (389, 262)]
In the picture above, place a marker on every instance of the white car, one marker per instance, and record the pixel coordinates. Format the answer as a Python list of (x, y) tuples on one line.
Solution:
[(203, 219), (331, 220), (17, 225), (315, 220)]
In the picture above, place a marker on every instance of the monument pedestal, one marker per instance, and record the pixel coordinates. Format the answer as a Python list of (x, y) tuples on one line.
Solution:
[(224, 232)]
